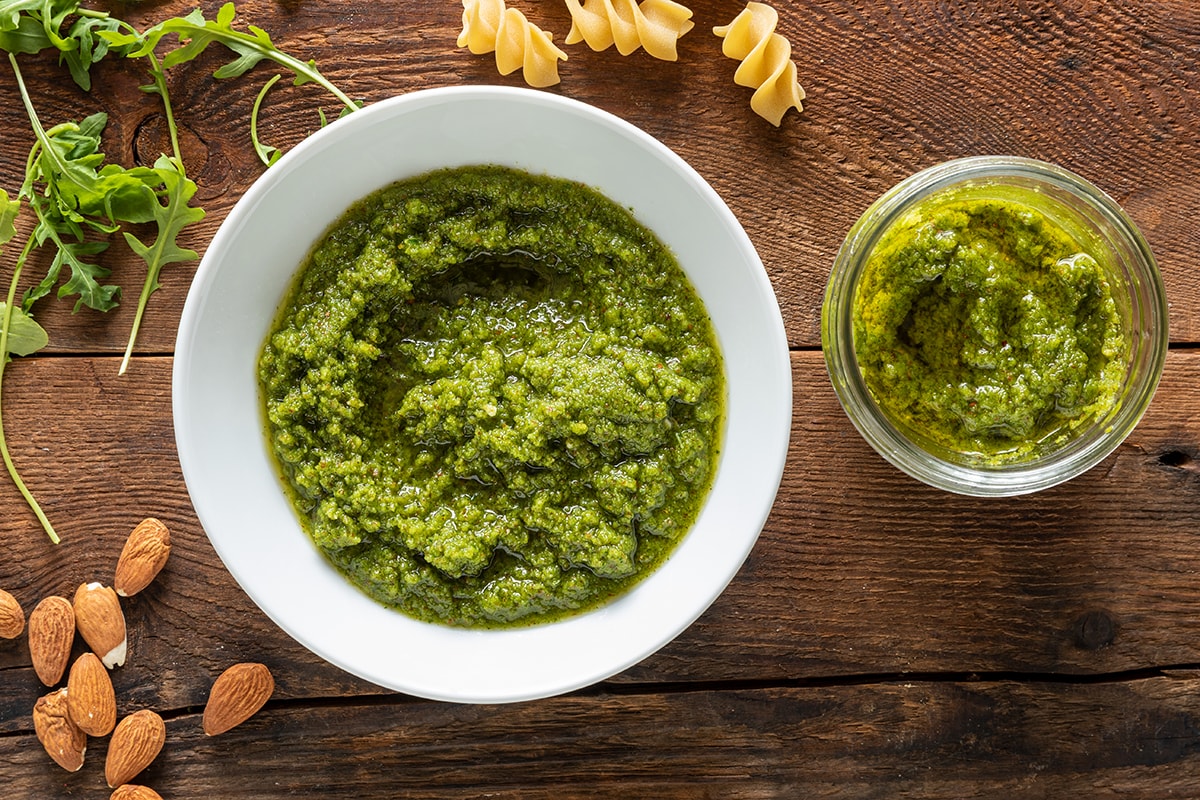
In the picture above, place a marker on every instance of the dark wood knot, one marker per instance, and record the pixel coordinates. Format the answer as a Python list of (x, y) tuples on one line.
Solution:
[(1178, 459), (1094, 630), (152, 139)]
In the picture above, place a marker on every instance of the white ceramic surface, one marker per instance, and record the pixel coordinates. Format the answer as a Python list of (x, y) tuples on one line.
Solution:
[(242, 279)]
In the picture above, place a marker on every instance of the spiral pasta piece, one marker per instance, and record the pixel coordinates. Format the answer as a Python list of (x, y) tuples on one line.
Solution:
[(766, 61), (654, 25), (519, 44)]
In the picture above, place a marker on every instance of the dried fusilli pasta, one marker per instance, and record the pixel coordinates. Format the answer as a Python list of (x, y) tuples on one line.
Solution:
[(766, 61), (518, 43), (655, 25)]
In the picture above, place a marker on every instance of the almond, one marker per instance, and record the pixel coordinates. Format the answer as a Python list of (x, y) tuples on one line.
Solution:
[(142, 558), (101, 622), (129, 791), (62, 738), (136, 741), (12, 616), (91, 701), (51, 634), (236, 695)]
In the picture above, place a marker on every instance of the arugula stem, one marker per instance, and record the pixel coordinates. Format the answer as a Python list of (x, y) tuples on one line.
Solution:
[(265, 153), (160, 82), (8, 462), (38, 131)]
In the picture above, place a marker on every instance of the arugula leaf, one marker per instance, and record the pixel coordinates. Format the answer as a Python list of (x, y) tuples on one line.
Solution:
[(171, 218), (30, 26), (64, 159), (85, 276), (28, 35), (25, 336), (9, 209), (11, 12), (90, 49)]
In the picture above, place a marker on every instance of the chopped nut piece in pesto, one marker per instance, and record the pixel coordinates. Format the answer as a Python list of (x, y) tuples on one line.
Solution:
[(983, 325), (495, 397)]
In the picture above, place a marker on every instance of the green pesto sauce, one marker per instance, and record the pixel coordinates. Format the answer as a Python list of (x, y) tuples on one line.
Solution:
[(495, 398), (984, 326)]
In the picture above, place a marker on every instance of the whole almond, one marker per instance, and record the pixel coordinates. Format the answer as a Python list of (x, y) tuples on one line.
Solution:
[(142, 558), (51, 634), (12, 616), (237, 694), (91, 701), (136, 741), (129, 791), (58, 734), (101, 622)]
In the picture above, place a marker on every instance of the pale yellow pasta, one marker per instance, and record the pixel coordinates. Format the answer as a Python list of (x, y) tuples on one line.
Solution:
[(519, 44), (766, 61), (655, 25)]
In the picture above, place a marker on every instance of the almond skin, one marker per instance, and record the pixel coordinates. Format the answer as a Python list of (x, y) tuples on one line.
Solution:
[(91, 701), (142, 558), (62, 739), (136, 741), (12, 616), (129, 791), (237, 694), (51, 634), (101, 622)]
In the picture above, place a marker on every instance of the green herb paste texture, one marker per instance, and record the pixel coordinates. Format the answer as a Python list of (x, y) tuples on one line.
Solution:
[(495, 397), (984, 326)]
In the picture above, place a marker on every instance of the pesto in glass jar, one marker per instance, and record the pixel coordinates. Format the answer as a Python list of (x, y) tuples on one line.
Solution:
[(988, 328)]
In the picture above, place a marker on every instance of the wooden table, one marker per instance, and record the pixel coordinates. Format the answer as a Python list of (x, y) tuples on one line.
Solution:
[(883, 640)]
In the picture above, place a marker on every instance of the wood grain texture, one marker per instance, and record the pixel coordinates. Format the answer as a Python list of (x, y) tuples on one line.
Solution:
[(884, 640), (951, 740)]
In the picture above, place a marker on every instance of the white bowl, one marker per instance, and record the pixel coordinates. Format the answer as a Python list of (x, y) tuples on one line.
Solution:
[(242, 278)]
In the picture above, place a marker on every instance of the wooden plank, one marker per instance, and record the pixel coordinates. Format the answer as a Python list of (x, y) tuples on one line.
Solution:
[(860, 571), (1109, 90), (952, 740)]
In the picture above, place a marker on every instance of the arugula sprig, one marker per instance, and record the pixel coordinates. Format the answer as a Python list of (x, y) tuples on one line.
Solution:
[(77, 199), (195, 33)]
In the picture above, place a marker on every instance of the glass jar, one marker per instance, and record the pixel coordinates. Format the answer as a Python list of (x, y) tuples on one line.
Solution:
[(1088, 216)]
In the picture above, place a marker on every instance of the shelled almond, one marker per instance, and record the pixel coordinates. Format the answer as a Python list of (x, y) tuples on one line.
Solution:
[(51, 634), (91, 701), (101, 622), (136, 742), (143, 557), (12, 616), (238, 693), (61, 737), (129, 791)]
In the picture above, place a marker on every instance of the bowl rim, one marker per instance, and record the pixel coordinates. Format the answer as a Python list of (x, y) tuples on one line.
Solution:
[(1150, 334), (772, 450)]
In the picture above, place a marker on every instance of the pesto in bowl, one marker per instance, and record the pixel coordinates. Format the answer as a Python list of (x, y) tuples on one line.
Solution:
[(495, 398)]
